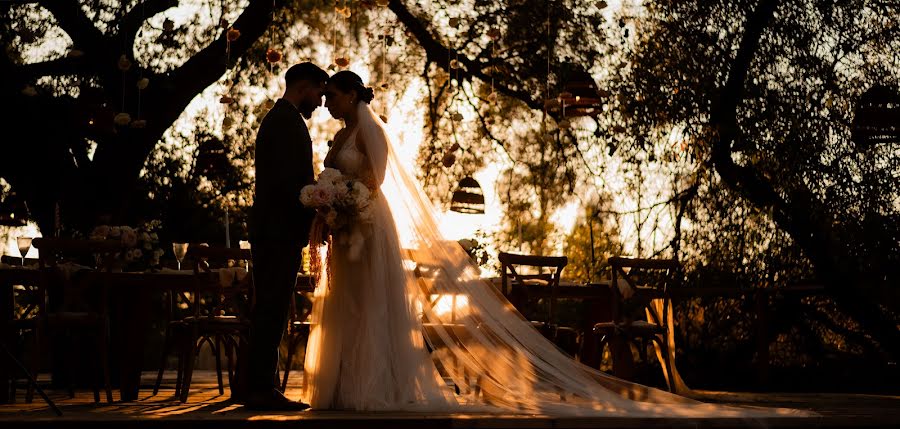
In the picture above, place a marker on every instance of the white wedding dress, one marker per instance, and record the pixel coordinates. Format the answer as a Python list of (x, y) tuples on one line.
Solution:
[(373, 314)]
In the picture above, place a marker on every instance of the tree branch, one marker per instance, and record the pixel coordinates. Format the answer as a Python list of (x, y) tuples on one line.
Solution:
[(57, 67), (134, 18), (437, 53), (206, 67), (74, 22)]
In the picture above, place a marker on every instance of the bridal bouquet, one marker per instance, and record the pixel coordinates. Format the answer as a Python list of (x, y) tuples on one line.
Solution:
[(343, 201)]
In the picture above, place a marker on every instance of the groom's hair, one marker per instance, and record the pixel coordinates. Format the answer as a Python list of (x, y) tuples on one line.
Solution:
[(305, 71)]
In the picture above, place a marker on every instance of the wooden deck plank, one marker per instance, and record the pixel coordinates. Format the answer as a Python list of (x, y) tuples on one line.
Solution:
[(207, 409)]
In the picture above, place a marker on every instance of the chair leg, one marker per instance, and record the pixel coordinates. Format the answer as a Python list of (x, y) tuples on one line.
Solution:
[(217, 349), (229, 355), (104, 364), (189, 356), (287, 362), (167, 348), (35, 364)]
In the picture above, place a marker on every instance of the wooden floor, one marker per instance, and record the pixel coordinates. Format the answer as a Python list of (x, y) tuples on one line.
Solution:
[(207, 409)]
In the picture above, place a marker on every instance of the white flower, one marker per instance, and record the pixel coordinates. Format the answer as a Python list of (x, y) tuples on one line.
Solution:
[(322, 196), (129, 238), (306, 194), (115, 232), (100, 232), (362, 193), (329, 175)]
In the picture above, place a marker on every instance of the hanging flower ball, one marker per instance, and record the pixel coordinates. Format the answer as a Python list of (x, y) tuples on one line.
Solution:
[(457, 116), (454, 64), (142, 83), (124, 63), (273, 55), (233, 34), (168, 25), (227, 122), (122, 119), (343, 11), (270, 103), (383, 118), (342, 62), (494, 33), (75, 53), (448, 160), (139, 123), (226, 100), (29, 91)]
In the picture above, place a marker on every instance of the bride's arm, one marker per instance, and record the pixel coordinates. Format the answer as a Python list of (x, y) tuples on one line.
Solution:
[(368, 176)]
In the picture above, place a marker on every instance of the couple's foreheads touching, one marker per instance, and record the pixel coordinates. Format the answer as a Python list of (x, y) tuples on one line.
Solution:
[(306, 84)]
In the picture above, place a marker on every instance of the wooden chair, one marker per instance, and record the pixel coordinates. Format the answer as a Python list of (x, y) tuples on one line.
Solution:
[(520, 287), (649, 280), (27, 296), (297, 331), (217, 315), (82, 306)]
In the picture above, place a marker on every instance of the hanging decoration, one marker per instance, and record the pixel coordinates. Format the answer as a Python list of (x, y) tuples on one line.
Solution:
[(468, 198)]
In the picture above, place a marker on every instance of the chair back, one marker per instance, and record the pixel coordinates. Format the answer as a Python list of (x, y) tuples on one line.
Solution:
[(547, 272), (649, 280), (214, 297)]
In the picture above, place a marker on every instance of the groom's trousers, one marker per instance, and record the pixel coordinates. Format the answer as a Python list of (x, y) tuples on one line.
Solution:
[(275, 267)]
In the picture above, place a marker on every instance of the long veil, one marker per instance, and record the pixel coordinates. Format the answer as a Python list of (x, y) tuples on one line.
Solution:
[(477, 338)]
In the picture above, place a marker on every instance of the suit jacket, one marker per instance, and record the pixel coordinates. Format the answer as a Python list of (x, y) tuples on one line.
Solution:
[(284, 164)]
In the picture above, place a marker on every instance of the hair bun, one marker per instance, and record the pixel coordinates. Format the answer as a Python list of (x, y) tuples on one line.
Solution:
[(367, 94)]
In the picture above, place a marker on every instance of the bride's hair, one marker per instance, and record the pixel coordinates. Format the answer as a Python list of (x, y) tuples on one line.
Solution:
[(348, 81)]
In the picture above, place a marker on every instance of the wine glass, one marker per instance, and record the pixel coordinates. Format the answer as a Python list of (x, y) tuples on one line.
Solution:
[(24, 246), (180, 249)]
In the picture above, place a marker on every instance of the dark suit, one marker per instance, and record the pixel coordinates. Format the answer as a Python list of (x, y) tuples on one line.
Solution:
[(279, 229)]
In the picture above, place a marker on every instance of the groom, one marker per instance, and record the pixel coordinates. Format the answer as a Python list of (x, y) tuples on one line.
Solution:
[(279, 228)]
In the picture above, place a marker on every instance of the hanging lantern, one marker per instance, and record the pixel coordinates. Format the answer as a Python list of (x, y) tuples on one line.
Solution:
[(122, 119), (580, 94), (143, 83), (29, 91), (139, 123), (877, 118), (124, 63), (468, 197), (211, 159), (13, 211)]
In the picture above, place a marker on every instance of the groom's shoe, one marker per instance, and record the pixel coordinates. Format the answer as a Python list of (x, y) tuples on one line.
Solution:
[(271, 400)]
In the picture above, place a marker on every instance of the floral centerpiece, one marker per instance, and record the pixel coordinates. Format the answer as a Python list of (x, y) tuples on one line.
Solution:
[(141, 249)]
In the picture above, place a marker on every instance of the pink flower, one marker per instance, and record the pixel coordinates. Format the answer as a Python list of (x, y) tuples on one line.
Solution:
[(322, 196)]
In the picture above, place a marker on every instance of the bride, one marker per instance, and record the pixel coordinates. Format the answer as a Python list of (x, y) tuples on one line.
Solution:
[(366, 349)]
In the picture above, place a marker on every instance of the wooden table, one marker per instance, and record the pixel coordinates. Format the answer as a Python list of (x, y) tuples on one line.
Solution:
[(10, 277)]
